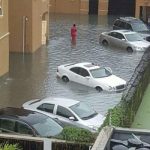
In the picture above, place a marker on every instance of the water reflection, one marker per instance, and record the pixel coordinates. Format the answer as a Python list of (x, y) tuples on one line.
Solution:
[(34, 76)]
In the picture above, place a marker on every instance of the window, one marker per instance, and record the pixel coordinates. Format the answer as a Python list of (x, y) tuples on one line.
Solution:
[(7, 125), (128, 27), (61, 111), (75, 70), (84, 72), (23, 129), (120, 36), (1, 10), (46, 107)]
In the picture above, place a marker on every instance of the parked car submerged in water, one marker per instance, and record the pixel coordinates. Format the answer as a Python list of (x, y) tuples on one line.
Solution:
[(128, 40), (68, 111), (89, 74), (132, 24), (27, 122)]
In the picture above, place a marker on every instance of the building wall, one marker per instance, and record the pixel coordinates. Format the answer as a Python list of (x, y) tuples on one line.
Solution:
[(26, 37), (18, 9), (141, 3), (40, 12), (4, 39)]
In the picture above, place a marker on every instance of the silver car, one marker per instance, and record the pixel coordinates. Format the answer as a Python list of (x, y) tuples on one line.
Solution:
[(129, 40)]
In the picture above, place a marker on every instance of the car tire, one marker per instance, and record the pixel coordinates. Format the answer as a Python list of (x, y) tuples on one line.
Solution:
[(129, 49), (99, 89), (104, 43), (65, 79)]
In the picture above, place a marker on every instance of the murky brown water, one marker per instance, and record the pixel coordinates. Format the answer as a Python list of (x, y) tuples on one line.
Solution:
[(34, 76)]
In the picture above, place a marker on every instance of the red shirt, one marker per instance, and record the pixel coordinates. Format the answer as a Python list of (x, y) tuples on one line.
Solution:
[(73, 31)]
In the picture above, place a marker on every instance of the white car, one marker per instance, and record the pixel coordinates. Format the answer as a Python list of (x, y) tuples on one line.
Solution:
[(129, 40), (67, 111), (91, 75)]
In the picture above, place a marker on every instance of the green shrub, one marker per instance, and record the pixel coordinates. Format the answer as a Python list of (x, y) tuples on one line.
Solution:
[(77, 135), (9, 147)]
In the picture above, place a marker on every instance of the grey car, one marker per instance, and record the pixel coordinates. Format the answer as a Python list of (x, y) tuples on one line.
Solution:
[(128, 40)]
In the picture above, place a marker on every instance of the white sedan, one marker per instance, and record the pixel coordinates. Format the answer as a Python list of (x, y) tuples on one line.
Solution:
[(89, 74), (129, 40), (68, 111)]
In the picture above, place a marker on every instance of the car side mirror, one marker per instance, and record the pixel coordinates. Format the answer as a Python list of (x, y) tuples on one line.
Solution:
[(109, 69), (72, 118)]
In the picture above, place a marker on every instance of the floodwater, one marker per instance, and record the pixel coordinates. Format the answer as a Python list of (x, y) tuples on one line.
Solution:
[(34, 76)]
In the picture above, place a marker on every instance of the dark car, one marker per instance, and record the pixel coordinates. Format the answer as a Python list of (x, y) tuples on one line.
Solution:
[(133, 24), (22, 121)]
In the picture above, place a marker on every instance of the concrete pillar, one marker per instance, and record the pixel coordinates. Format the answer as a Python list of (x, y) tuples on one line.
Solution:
[(103, 7), (84, 6)]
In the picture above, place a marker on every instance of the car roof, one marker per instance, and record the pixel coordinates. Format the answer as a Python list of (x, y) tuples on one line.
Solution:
[(130, 19), (124, 31), (61, 101), (86, 65), (21, 114)]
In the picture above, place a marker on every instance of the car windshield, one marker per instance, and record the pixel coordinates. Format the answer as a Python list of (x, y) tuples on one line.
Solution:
[(83, 111), (100, 73), (137, 27), (47, 127), (133, 37)]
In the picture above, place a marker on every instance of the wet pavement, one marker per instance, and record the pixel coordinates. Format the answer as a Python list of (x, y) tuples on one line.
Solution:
[(34, 76)]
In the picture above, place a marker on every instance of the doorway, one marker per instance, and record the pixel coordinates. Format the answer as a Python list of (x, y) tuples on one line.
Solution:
[(93, 7), (121, 7)]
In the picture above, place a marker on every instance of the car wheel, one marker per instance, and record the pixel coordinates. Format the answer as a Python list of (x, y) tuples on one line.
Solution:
[(65, 79), (105, 43), (99, 89), (129, 49)]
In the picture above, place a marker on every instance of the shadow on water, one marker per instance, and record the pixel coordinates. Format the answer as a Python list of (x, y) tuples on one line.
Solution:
[(34, 76)]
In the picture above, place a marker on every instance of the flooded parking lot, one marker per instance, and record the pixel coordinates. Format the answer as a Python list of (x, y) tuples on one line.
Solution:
[(34, 76)]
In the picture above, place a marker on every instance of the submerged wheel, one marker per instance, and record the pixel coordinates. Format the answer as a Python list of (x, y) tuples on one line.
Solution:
[(129, 49), (105, 43), (99, 89), (65, 79)]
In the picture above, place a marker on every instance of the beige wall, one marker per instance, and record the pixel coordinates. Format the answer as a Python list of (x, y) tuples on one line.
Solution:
[(33, 10), (140, 3), (103, 7), (40, 8), (76, 6), (4, 40)]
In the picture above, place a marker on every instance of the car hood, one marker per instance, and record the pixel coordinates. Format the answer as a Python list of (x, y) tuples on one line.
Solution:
[(94, 122), (112, 81), (141, 44)]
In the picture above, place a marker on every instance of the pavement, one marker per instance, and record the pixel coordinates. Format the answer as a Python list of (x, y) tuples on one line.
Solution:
[(142, 119)]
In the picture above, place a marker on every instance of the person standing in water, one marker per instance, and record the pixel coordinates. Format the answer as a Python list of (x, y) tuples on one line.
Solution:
[(73, 34)]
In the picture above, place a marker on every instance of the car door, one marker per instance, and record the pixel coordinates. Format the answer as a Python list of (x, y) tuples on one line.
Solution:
[(64, 115), (80, 75), (120, 41), (112, 38), (74, 74)]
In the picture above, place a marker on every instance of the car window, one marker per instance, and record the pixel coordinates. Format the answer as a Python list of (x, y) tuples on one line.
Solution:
[(75, 70), (8, 125), (128, 27), (23, 128), (113, 34), (46, 107), (120, 36), (61, 111), (117, 22), (83, 72), (122, 25)]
